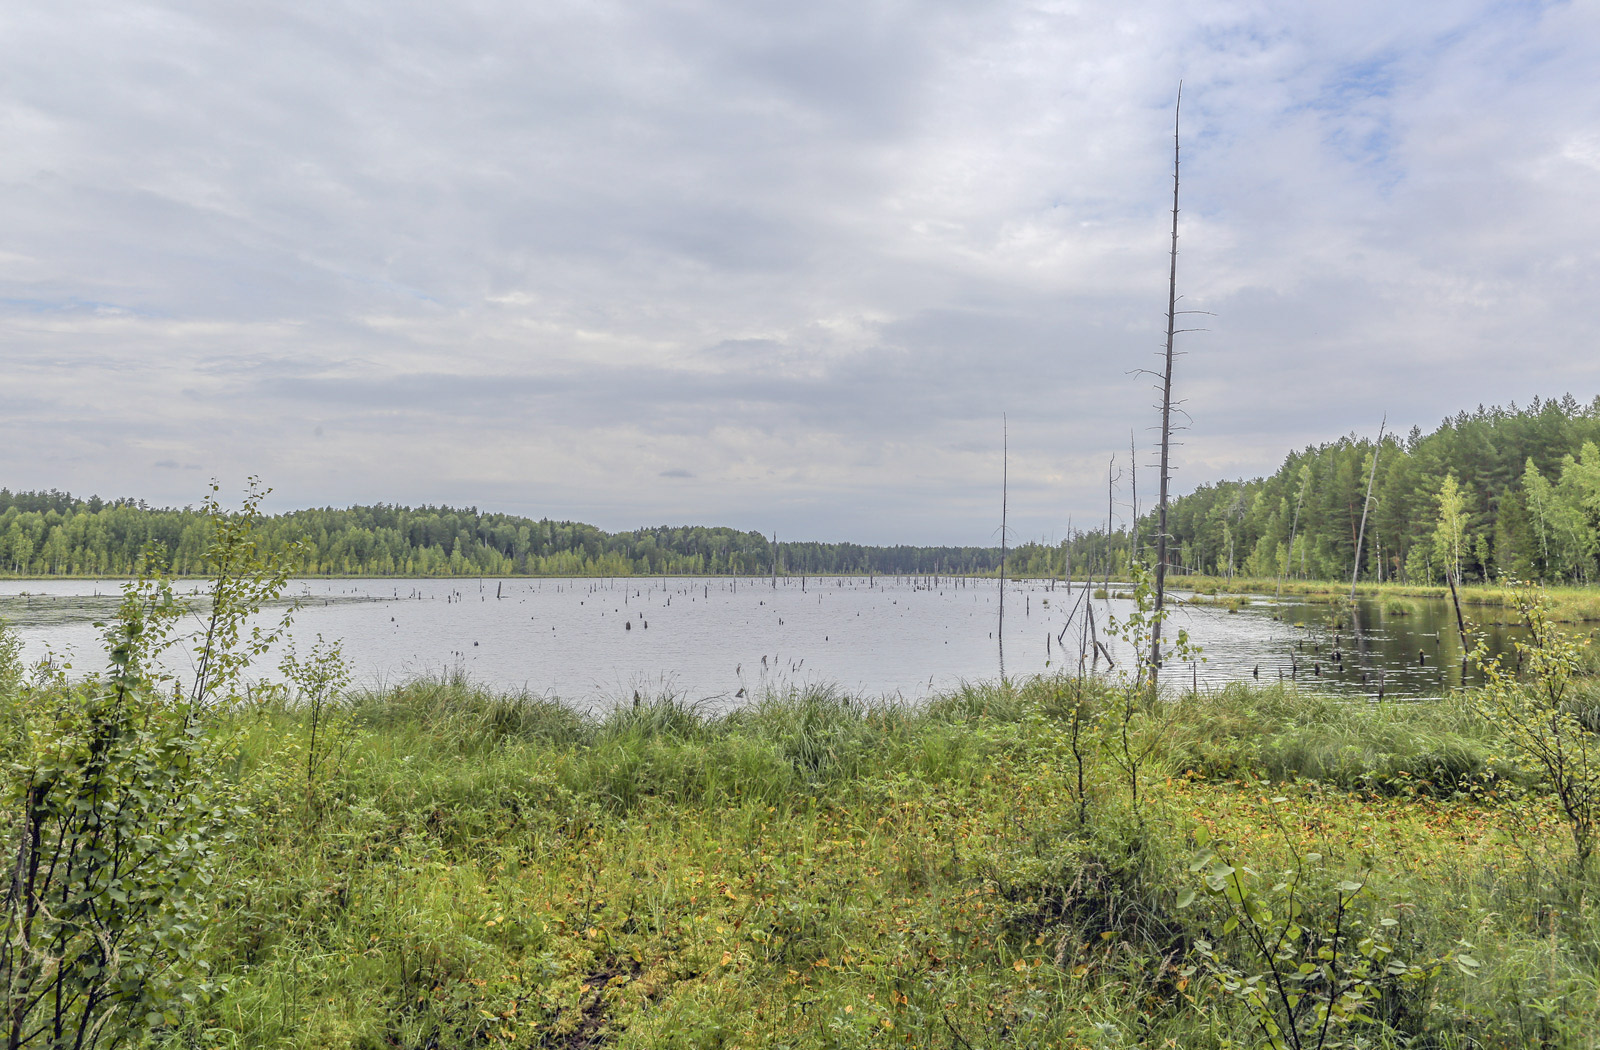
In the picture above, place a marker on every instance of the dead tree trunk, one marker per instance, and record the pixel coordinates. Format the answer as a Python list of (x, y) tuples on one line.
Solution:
[(1361, 534), (1004, 469), (1133, 499), (1162, 537), (1111, 501)]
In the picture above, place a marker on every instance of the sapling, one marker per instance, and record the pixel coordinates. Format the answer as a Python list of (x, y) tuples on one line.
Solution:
[(117, 820), (319, 681), (1136, 723), (1539, 720)]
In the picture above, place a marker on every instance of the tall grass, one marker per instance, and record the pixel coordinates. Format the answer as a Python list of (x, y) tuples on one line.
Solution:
[(821, 869), (1437, 747)]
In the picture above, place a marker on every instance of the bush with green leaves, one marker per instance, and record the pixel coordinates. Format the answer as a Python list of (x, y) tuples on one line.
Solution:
[(1137, 722), (319, 681), (1545, 725), (1306, 952), (116, 821)]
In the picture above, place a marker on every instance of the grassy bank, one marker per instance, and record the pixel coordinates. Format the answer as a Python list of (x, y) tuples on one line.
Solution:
[(1486, 602), (449, 867)]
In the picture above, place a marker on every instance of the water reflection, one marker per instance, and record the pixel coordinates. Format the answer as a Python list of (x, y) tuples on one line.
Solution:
[(728, 639), (1380, 647)]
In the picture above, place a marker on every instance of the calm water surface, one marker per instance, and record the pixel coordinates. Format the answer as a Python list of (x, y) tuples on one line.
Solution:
[(594, 641)]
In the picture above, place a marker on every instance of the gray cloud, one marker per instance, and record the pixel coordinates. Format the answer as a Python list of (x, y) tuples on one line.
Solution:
[(771, 265)]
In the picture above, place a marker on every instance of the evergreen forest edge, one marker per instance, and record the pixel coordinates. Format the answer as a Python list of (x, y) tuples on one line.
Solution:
[(1522, 485)]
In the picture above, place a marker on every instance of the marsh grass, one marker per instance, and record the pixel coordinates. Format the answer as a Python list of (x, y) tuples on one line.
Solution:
[(1438, 747), (822, 870)]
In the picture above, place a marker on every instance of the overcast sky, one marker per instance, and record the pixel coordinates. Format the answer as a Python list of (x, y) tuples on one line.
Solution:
[(776, 265)]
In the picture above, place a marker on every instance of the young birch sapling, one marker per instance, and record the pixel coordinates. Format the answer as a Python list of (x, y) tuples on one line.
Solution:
[(1541, 718), (118, 820)]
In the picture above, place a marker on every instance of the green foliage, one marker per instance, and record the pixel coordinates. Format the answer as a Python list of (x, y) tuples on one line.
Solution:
[(244, 578), (1544, 722), (1313, 967), (1436, 749), (319, 681), (1528, 480), (1138, 721), (12, 670), (118, 822), (1450, 541), (821, 870), (47, 534)]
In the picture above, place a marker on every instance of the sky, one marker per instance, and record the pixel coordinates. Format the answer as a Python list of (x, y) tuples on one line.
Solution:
[(780, 266)]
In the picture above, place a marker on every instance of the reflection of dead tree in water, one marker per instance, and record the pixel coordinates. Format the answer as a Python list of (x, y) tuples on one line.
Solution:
[(1461, 625), (1363, 653)]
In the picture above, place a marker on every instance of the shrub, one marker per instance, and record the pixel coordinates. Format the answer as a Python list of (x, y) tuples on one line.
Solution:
[(1542, 717), (116, 818)]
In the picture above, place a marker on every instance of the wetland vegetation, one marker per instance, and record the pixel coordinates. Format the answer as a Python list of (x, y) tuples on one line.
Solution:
[(435, 865), (1061, 861)]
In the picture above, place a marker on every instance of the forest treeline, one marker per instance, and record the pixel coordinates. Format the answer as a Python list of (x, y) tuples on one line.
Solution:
[(1500, 490), (56, 534)]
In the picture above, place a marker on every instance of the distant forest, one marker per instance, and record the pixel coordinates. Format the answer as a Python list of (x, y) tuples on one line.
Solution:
[(1497, 491), (56, 534), (1493, 492)]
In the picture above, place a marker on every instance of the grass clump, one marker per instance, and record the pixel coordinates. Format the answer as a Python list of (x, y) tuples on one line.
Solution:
[(1436, 748)]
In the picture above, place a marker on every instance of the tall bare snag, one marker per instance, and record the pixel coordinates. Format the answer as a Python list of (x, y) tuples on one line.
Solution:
[(1163, 537)]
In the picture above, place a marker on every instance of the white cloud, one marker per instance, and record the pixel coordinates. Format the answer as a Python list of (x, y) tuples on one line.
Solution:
[(772, 265)]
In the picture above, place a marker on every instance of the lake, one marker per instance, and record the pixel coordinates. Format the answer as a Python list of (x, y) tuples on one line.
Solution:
[(594, 641)]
